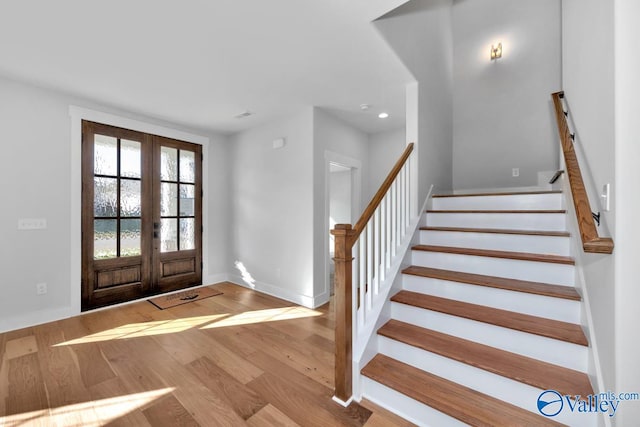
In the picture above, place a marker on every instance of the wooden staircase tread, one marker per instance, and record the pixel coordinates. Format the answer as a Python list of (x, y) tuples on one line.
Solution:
[(537, 288), (455, 400), (513, 193), (533, 372), (549, 328), (523, 256), (499, 211), (499, 231)]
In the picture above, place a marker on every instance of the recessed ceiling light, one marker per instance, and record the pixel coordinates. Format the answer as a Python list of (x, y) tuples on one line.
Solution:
[(383, 115), (365, 107)]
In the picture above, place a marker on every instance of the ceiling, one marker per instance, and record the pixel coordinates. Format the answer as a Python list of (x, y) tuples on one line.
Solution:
[(199, 63)]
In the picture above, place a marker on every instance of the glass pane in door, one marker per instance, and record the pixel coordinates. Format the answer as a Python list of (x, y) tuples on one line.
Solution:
[(187, 166), (187, 234), (105, 194), (105, 238), (130, 237), (168, 164), (130, 159), (168, 199), (169, 235), (105, 155)]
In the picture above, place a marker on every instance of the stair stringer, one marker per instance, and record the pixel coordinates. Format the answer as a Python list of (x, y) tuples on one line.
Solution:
[(594, 367), (365, 343)]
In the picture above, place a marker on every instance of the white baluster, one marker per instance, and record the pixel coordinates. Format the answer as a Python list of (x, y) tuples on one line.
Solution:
[(362, 262), (383, 239), (369, 263), (394, 229), (404, 205), (407, 196), (376, 248), (398, 209), (388, 234)]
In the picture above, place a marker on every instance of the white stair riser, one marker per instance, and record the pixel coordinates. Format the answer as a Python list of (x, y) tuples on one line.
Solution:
[(557, 274), (499, 387), (535, 305), (408, 408), (503, 221), (511, 202), (550, 350), (500, 242)]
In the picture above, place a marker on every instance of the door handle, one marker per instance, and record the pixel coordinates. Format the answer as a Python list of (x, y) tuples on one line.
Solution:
[(155, 234)]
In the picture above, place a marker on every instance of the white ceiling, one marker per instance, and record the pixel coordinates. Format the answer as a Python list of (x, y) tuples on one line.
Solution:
[(199, 63)]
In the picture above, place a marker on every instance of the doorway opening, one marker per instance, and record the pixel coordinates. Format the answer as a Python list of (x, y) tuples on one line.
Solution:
[(341, 201)]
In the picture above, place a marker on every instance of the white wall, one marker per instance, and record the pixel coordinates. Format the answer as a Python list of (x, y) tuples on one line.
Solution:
[(385, 149), (420, 32), (331, 136), (272, 207), (627, 206), (35, 178), (502, 111), (589, 88)]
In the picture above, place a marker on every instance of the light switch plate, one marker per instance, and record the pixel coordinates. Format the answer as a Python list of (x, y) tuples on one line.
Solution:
[(32, 223)]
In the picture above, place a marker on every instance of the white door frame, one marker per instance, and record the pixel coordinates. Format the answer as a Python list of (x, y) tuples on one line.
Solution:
[(356, 196), (77, 115)]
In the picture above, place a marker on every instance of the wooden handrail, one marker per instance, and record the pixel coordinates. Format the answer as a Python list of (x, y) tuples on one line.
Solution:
[(591, 242), (345, 236), (377, 198)]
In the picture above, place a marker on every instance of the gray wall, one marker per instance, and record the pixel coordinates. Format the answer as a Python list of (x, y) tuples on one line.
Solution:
[(271, 202), (502, 111), (627, 204), (385, 149), (589, 87), (420, 32)]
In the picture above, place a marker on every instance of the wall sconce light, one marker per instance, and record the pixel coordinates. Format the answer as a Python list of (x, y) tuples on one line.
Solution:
[(496, 51)]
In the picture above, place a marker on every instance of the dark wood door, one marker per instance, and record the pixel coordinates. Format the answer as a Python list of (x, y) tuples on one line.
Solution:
[(177, 216), (141, 215)]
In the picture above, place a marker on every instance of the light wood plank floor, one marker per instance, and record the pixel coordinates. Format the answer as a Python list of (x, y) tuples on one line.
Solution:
[(241, 358)]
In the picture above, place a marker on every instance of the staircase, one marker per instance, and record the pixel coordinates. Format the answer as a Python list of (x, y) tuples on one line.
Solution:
[(487, 318)]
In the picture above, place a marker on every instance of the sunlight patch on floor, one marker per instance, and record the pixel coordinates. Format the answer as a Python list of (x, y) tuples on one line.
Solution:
[(135, 330), (163, 327), (93, 413), (261, 316)]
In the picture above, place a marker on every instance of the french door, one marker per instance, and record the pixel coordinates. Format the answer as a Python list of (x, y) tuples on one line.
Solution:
[(141, 215)]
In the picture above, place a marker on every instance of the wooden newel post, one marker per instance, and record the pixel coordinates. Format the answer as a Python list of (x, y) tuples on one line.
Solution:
[(344, 239)]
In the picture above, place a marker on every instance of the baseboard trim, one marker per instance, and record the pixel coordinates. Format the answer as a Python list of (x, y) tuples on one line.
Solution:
[(278, 292), (55, 314), (35, 318), (342, 402)]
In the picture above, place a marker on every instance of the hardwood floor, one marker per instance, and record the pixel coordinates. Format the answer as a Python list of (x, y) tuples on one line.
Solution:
[(241, 358)]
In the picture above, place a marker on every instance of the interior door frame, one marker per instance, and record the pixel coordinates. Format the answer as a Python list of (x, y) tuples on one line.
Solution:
[(78, 114), (356, 199)]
